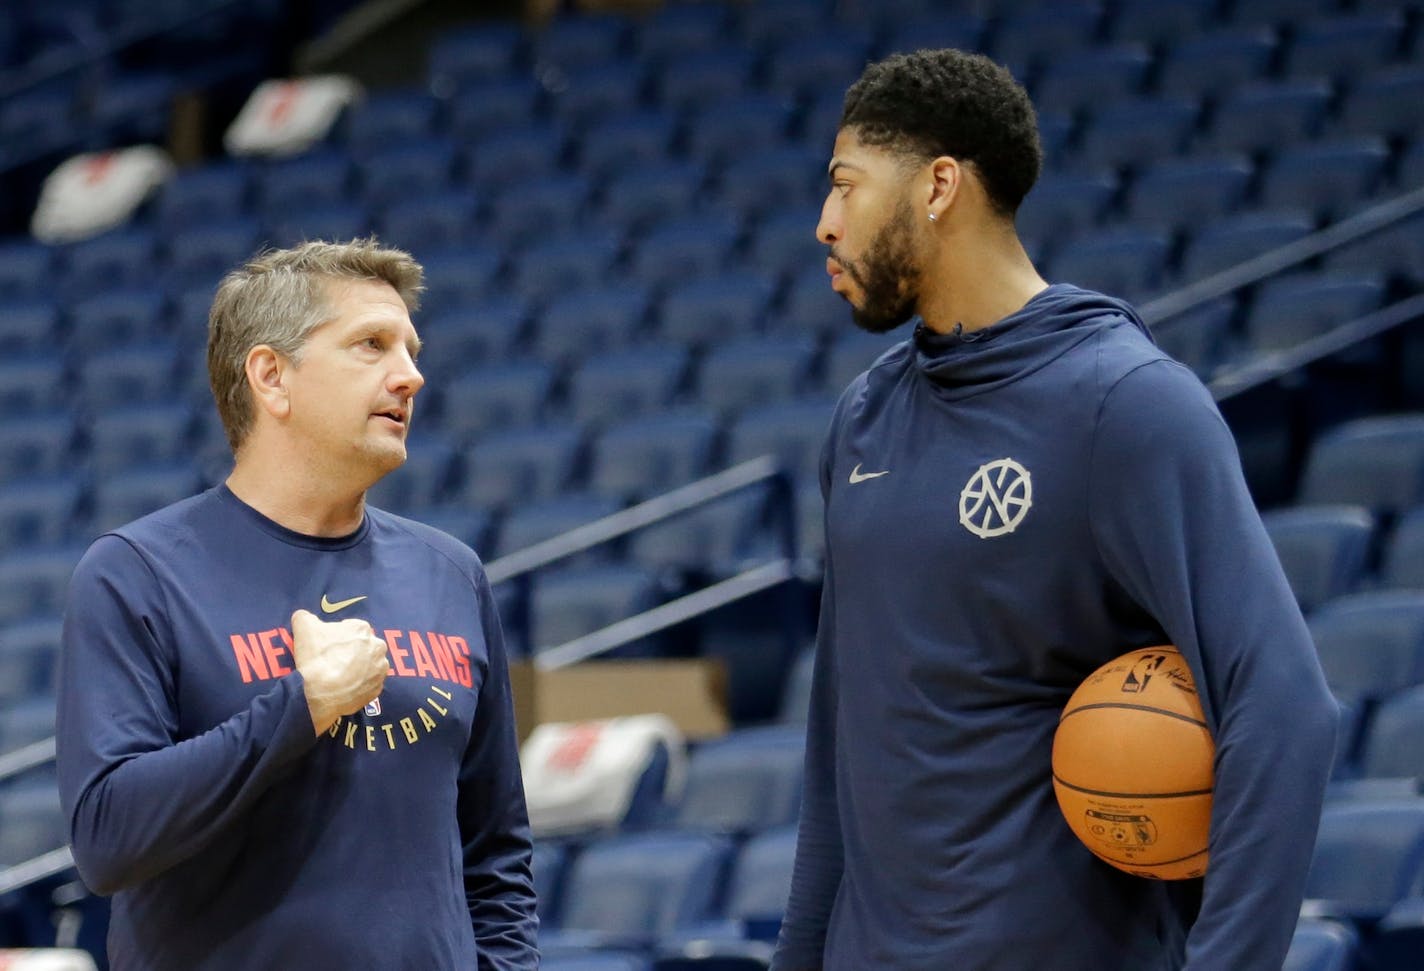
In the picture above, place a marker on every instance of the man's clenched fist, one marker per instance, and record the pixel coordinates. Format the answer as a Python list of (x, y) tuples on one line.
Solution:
[(343, 665)]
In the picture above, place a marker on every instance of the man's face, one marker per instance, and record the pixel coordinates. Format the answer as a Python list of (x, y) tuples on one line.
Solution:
[(867, 222), (352, 392)]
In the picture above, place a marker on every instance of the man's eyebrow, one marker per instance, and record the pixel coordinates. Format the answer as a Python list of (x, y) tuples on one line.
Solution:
[(837, 163)]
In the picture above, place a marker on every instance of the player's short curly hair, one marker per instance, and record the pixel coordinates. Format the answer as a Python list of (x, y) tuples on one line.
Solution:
[(278, 298), (950, 102)]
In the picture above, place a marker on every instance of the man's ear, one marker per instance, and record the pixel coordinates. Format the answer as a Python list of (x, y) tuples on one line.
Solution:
[(946, 182), (266, 376)]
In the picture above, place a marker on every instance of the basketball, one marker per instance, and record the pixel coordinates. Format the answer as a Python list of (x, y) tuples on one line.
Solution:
[(1132, 765)]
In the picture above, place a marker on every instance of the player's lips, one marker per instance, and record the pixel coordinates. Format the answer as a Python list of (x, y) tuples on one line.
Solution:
[(835, 270), (395, 416)]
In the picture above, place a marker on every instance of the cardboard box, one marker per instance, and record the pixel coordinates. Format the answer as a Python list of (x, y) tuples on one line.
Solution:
[(692, 692)]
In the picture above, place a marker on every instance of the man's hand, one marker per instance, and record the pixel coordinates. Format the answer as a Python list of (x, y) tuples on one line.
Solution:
[(343, 665)]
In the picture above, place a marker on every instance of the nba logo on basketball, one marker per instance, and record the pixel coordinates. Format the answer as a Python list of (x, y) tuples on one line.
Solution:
[(373, 707), (1141, 673)]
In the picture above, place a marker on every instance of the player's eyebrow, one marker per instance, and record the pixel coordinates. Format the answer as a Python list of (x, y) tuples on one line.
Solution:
[(837, 163)]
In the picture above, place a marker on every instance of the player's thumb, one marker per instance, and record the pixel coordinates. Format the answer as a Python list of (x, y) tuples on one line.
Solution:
[(302, 620)]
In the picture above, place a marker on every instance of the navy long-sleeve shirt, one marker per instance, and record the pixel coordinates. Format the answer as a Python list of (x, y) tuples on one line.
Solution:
[(200, 797), (1005, 511)]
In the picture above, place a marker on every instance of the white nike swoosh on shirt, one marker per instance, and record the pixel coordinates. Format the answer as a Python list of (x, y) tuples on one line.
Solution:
[(858, 476)]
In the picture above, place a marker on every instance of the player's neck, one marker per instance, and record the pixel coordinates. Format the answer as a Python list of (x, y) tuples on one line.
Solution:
[(296, 493), (979, 280)]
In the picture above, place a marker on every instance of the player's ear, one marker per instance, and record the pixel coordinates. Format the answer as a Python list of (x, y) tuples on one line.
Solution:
[(266, 376), (946, 180)]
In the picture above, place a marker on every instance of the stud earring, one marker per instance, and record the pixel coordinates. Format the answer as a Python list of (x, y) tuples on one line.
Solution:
[(933, 217)]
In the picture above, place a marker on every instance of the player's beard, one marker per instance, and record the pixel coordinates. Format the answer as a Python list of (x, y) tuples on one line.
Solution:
[(888, 275)]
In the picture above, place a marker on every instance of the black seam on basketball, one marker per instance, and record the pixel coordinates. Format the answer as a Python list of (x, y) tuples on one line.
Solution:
[(1118, 704), (1129, 795), (1145, 866)]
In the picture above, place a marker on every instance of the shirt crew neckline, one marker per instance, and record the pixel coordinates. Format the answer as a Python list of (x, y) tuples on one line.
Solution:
[(290, 536)]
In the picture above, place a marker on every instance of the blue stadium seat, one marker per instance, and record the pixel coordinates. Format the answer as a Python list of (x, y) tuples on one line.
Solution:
[(322, 177), (723, 129), (761, 878), (495, 396), (793, 431), (415, 167), (744, 782), (1374, 462), (40, 445), (645, 194), (201, 253), (1199, 337), (44, 116), (122, 257), (705, 78), (762, 24), (421, 481), (342, 221), (578, 600), (34, 579), (478, 332), (33, 384), (473, 527), (618, 384), (1393, 743), (1329, 180), (1262, 116), (523, 213), (389, 117), (757, 181), (1212, 64), (127, 495), (1367, 856), (802, 64), (460, 277), (1065, 204), (1320, 945), (1080, 78), (592, 959), (29, 652), (784, 241), (118, 318), (1290, 310), (437, 220), (1161, 22), (707, 309), (495, 105), (673, 33), (606, 316), (626, 141), (1398, 939), (1274, 13), (1388, 103), (1028, 35), (1233, 240), (575, 41), (196, 196), (26, 722), (1344, 47), (1183, 193), (1126, 262), (39, 512), (852, 353), (132, 374), (30, 325), (25, 269), (31, 822), (640, 887), (594, 94), (549, 269), (642, 457), (1323, 548), (1135, 132), (796, 693), (683, 248), (810, 306), (1403, 566), (1396, 251), (751, 372), (131, 108), (820, 121), (1371, 645), (139, 436), (534, 522), (520, 464), (706, 542), (463, 56), (928, 26), (548, 865), (516, 155)]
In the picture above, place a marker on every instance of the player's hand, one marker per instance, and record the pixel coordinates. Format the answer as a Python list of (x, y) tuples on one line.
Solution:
[(343, 665)]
